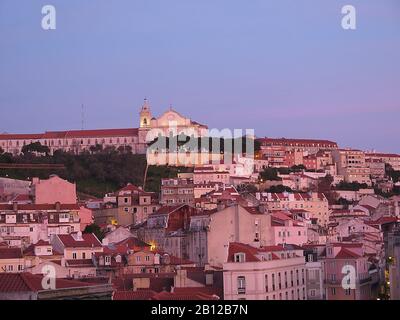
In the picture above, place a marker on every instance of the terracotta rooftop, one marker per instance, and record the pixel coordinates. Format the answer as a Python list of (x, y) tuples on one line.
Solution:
[(346, 254), (133, 295), (185, 296), (10, 253), (100, 133), (27, 282), (38, 207), (89, 240)]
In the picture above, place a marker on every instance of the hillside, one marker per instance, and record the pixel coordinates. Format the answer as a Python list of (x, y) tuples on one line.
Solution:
[(95, 173)]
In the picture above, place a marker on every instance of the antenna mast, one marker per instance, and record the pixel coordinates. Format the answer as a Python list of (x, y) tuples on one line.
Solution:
[(83, 117)]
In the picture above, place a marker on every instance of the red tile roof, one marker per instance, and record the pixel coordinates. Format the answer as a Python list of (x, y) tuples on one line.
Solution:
[(251, 252), (183, 296), (89, 240), (346, 254), (168, 209), (297, 142), (27, 282), (35, 207), (10, 253), (133, 295), (383, 155), (100, 133)]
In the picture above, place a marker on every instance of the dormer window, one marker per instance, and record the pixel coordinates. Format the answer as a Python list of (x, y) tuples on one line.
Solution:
[(240, 257)]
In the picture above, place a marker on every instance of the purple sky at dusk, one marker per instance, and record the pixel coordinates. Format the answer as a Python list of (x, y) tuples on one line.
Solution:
[(285, 68)]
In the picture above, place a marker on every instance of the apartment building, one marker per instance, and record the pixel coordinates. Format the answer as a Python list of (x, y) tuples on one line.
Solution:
[(346, 272), (351, 165), (175, 191), (314, 202), (311, 146), (389, 158), (264, 273), (31, 222)]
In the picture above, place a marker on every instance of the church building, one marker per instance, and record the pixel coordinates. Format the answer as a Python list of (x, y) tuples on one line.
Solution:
[(78, 141)]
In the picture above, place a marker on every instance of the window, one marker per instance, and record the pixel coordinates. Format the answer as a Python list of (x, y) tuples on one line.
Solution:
[(279, 281), (347, 292), (333, 291), (20, 267), (273, 283), (147, 258), (266, 283), (240, 257), (241, 284), (286, 280), (312, 293), (74, 255), (83, 255)]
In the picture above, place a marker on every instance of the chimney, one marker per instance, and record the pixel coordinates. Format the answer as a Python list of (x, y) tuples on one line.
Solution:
[(220, 206), (79, 236), (396, 209), (15, 206), (58, 206)]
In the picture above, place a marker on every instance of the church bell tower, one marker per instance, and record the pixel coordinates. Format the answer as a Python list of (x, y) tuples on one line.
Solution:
[(145, 115)]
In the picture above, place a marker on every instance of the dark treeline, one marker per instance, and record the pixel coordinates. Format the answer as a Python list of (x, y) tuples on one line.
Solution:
[(95, 172)]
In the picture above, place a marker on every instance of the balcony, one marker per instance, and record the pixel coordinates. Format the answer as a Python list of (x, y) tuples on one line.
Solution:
[(365, 280), (332, 282), (241, 290)]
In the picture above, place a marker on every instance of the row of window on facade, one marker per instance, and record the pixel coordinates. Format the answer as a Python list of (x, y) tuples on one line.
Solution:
[(135, 210), (49, 143), (280, 285)]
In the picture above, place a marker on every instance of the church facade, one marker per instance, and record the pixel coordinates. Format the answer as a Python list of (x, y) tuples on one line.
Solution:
[(78, 141)]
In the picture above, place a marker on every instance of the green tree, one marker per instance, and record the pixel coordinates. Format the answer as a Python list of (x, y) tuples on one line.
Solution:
[(35, 147), (279, 189), (96, 230), (270, 174)]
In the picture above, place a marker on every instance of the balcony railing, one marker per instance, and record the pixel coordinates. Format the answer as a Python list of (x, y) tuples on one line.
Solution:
[(331, 282), (365, 280), (241, 290)]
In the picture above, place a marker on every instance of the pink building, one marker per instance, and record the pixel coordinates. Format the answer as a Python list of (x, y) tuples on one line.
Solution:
[(266, 273), (341, 257), (53, 190), (286, 230)]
